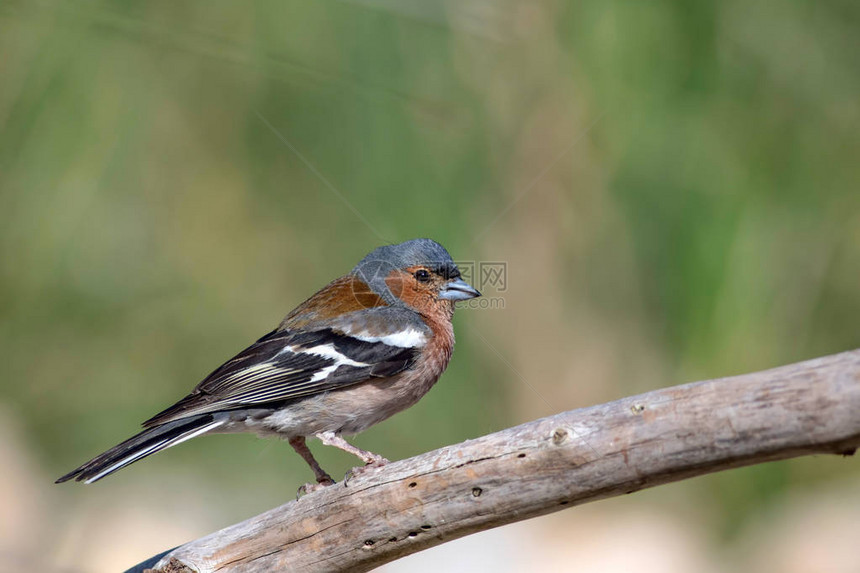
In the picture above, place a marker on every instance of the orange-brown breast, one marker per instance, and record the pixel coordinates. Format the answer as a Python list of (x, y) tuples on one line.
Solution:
[(437, 314)]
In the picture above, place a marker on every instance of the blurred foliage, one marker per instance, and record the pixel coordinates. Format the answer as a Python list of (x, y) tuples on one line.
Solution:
[(174, 177)]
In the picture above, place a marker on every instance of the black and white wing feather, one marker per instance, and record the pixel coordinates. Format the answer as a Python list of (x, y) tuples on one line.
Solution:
[(284, 366)]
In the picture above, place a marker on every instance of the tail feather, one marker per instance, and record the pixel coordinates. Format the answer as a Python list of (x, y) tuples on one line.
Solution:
[(137, 447)]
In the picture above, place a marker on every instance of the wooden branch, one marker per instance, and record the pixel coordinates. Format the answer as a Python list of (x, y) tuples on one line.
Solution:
[(544, 466)]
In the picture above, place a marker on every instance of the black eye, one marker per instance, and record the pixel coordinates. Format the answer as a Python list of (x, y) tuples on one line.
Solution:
[(422, 275)]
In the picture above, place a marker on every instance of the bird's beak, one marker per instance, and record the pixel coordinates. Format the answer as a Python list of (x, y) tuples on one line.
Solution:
[(458, 289)]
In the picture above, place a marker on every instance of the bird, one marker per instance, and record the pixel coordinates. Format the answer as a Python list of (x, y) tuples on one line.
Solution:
[(366, 346)]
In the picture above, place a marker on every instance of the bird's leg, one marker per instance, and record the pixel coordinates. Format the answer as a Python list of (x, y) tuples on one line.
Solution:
[(302, 449), (369, 458), (323, 479)]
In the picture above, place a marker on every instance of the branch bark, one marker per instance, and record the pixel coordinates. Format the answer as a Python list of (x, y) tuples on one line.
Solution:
[(544, 466)]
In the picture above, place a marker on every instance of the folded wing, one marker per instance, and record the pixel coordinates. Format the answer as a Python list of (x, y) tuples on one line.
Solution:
[(284, 366)]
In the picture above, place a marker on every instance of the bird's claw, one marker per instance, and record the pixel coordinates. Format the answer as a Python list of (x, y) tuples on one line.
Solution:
[(372, 463), (312, 487)]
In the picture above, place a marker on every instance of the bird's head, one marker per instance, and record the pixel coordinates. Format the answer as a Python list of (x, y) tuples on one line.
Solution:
[(418, 273)]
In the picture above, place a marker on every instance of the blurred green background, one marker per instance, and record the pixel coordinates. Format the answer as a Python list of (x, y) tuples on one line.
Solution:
[(672, 186)]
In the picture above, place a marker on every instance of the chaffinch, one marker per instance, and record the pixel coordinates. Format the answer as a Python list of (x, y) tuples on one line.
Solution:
[(368, 345)]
